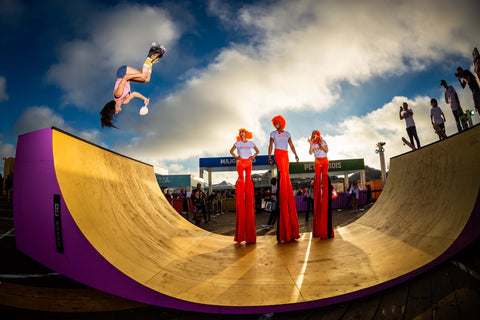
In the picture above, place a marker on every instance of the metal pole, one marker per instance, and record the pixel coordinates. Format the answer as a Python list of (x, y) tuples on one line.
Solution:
[(380, 150)]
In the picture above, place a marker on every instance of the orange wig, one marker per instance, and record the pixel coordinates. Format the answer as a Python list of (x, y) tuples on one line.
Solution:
[(281, 120), (318, 136), (248, 135)]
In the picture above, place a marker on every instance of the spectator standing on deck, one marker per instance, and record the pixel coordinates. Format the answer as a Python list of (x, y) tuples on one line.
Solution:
[(407, 115)]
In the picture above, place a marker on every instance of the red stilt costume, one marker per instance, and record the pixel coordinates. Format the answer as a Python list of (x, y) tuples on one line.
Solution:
[(245, 204), (321, 191), (245, 229), (320, 205), (288, 220), (287, 228)]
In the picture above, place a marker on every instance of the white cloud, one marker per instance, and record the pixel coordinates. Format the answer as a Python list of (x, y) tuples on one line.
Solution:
[(6, 150), (89, 135), (221, 9), (300, 54), (39, 117), (117, 36), (3, 89)]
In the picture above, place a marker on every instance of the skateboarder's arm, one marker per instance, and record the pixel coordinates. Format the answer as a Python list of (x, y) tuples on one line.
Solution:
[(137, 95)]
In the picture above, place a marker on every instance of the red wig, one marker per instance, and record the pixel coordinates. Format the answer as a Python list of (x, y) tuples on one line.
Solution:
[(281, 120), (248, 135), (318, 136)]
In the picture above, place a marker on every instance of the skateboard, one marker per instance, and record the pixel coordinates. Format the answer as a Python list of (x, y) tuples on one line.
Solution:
[(408, 143), (441, 133)]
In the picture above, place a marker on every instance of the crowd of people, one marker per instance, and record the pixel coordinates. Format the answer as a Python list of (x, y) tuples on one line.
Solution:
[(437, 117)]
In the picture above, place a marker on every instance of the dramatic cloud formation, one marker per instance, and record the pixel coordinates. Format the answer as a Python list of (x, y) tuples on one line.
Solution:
[(113, 38), (295, 56), (40, 117), (300, 54)]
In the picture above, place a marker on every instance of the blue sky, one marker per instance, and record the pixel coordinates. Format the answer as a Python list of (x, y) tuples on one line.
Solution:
[(342, 67)]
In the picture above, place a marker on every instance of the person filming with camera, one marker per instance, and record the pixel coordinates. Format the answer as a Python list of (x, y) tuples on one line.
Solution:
[(466, 77), (411, 128)]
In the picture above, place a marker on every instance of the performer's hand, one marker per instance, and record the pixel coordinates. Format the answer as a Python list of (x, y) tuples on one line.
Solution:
[(296, 158), (146, 101), (270, 160)]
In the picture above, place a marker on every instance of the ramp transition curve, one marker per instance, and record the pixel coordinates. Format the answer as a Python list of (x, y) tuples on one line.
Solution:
[(101, 219)]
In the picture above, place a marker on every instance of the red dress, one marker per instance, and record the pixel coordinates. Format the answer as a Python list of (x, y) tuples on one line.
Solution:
[(320, 206), (288, 220), (245, 204)]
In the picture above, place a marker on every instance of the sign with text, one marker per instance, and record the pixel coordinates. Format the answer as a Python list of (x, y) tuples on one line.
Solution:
[(333, 165), (57, 220), (178, 180), (225, 162)]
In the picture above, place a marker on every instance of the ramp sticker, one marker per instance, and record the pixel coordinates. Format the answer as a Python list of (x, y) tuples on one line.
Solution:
[(58, 222)]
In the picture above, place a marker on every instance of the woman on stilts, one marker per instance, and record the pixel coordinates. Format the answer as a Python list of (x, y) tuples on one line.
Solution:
[(244, 192), (319, 147), (287, 227), (122, 93)]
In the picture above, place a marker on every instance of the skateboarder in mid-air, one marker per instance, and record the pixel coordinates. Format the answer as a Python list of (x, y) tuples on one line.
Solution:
[(411, 129), (122, 93)]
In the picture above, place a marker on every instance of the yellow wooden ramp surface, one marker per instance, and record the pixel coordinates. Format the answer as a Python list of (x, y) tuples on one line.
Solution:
[(117, 204)]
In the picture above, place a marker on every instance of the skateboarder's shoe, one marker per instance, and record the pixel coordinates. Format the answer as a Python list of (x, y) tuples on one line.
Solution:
[(156, 52), (156, 57)]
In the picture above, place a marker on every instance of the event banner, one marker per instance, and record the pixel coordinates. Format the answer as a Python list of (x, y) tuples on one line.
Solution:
[(333, 165), (231, 162)]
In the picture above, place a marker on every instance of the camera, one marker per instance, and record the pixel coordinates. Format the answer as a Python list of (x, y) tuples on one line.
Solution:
[(457, 75)]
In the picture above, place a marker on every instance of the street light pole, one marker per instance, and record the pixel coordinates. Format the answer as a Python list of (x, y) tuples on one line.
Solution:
[(380, 150)]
